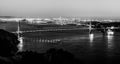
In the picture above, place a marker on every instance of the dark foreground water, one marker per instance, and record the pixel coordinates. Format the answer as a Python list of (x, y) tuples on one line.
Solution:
[(85, 46)]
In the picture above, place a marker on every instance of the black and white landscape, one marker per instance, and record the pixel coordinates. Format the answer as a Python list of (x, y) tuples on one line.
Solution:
[(59, 31)]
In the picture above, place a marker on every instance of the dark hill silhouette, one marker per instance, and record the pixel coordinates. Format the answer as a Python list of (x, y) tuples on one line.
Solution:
[(8, 46), (8, 43), (52, 56)]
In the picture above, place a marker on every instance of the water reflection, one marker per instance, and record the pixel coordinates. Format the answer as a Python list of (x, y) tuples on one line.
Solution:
[(91, 37), (20, 45), (110, 41)]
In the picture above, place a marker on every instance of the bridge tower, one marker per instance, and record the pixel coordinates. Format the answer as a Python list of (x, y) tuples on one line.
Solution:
[(91, 35), (90, 27)]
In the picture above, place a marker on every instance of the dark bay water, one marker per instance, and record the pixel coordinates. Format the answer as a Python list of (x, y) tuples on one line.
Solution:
[(84, 46)]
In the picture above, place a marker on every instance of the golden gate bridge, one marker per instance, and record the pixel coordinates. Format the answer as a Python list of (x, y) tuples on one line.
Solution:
[(90, 28)]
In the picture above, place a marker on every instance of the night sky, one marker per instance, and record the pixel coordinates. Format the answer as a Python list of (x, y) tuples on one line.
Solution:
[(56, 8)]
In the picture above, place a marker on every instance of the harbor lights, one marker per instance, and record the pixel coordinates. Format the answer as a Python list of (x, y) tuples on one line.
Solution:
[(109, 31)]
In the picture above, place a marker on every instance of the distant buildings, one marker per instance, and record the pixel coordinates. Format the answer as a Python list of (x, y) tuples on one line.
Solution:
[(10, 19), (59, 21)]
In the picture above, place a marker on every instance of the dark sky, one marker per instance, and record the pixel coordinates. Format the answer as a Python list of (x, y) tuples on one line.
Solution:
[(56, 8)]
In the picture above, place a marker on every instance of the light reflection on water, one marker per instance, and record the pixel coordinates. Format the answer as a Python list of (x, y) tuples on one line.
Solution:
[(91, 37), (110, 41), (21, 44), (77, 40)]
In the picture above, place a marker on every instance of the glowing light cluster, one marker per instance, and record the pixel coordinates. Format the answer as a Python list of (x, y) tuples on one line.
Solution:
[(20, 45), (109, 32)]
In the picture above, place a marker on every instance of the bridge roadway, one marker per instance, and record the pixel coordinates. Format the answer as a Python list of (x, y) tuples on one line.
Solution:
[(47, 30)]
